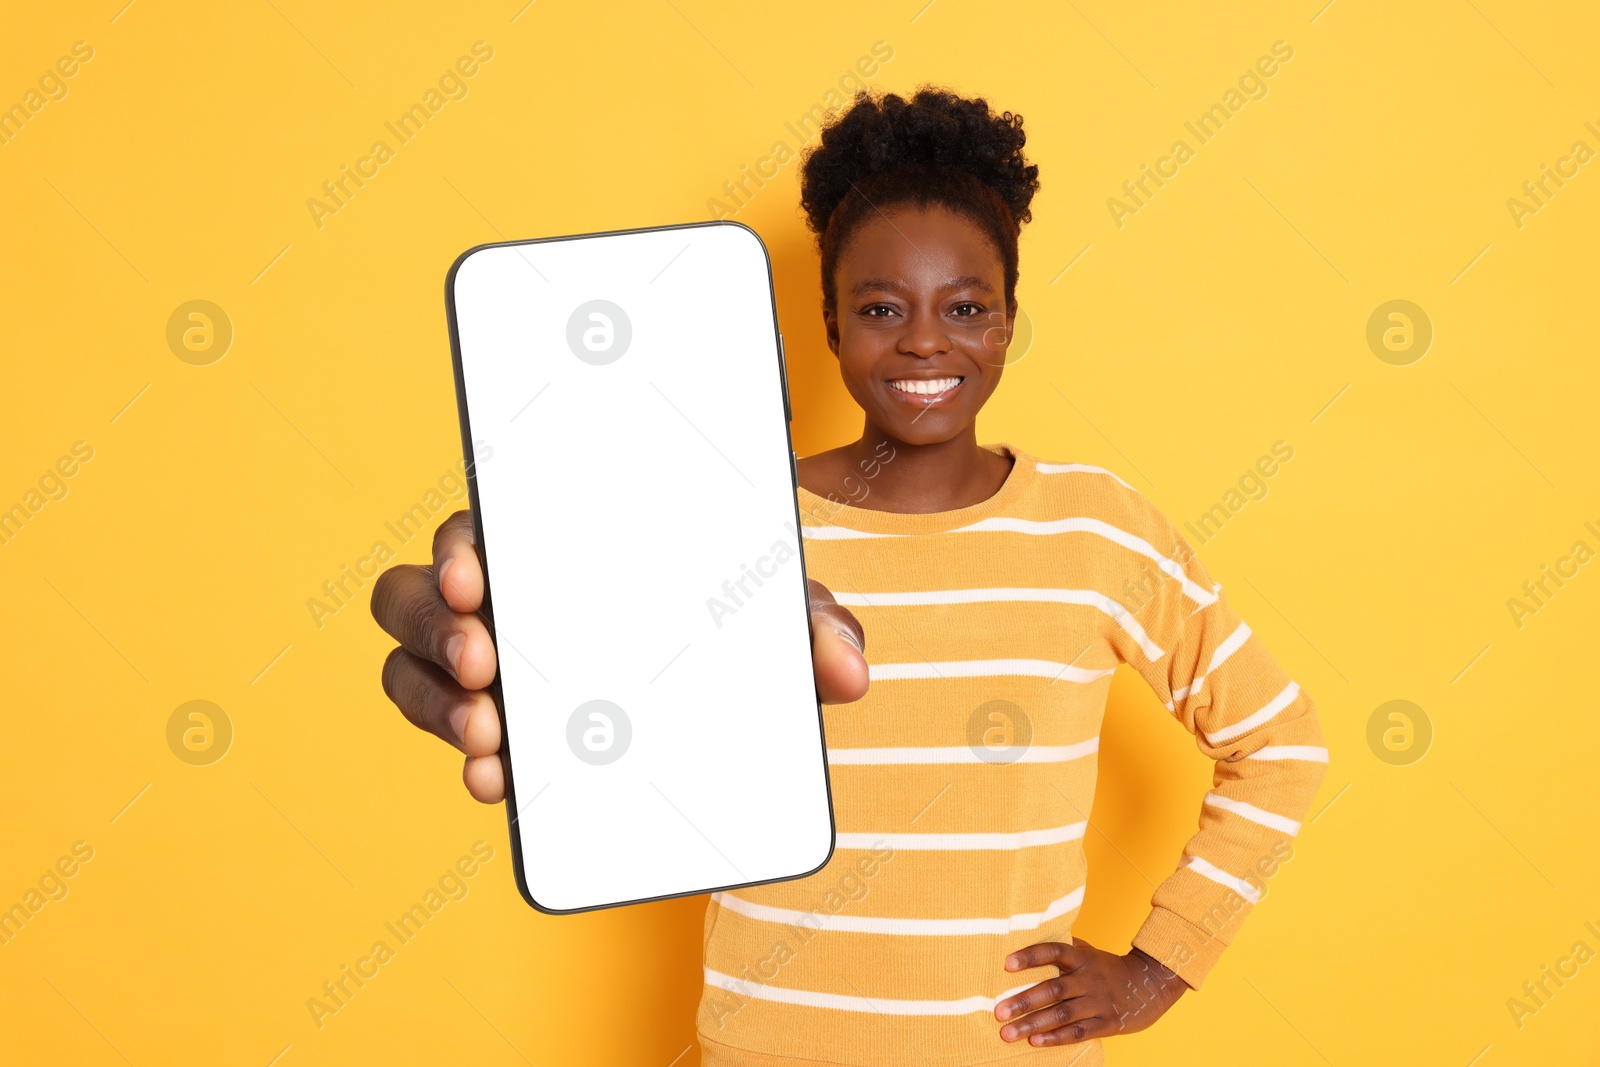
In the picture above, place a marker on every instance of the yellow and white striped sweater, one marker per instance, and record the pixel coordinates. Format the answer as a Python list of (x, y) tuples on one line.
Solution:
[(962, 782)]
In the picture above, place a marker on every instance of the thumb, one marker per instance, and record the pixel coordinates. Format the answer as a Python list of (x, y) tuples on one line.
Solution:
[(837, 644)]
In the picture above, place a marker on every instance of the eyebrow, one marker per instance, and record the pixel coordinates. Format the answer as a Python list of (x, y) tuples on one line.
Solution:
[(966, 281)]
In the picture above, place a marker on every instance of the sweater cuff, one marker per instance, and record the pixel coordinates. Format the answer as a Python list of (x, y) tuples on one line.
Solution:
[(1179, 945)]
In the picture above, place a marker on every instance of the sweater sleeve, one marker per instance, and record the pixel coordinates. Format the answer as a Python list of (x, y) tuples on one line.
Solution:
[(1219, 680)]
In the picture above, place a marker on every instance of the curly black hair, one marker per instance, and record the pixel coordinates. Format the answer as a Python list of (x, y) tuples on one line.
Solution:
[(937, 147)]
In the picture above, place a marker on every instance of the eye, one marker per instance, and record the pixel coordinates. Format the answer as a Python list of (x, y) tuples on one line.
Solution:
[(977, 309), (873, 309)]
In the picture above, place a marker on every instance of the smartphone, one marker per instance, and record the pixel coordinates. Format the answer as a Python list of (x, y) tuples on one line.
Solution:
[(640, 535)]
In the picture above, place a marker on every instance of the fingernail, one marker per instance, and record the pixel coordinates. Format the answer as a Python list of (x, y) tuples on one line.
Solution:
[(1009, 1033), (848, 636), (452, 652), (458, 721), (443, 569)]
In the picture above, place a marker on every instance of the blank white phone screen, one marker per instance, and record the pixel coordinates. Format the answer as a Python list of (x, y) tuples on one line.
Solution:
[(637, 509)]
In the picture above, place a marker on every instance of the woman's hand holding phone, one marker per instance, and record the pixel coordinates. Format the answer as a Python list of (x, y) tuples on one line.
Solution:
[(440, 673)]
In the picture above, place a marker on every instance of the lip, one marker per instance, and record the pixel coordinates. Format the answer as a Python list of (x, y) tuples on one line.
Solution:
[(923, 400)]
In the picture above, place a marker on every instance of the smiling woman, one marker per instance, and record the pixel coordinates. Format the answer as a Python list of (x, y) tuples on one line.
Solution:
[(983, 575)]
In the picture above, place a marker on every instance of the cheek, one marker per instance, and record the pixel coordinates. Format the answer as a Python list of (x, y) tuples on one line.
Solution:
[(984, 344), (857, 382), (859, 351), (991, 382)]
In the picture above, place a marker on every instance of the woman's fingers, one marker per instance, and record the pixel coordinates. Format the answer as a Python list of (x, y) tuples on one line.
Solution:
[(837, 646), (465, 718), (485, 779), (1050, 991), (434, 702), (456, 564), (1045, 954), (407, 604), (446, 655), (1057, 1004), (1067, 957), (1065, 1023), (1073, 1006)]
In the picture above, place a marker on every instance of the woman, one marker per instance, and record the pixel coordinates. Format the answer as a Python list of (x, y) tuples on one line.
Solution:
[(997, 594)]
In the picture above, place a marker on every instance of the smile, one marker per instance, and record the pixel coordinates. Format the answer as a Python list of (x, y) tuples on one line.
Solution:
[(925, 390)]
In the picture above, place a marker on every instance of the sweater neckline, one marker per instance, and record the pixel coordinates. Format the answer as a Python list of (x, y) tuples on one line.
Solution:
[(818, 510)]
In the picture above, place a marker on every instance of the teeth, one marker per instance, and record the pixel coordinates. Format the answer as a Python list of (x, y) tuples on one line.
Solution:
[(929, 387)]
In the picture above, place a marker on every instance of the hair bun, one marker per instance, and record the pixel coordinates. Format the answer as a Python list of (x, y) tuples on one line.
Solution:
[(934, 127)]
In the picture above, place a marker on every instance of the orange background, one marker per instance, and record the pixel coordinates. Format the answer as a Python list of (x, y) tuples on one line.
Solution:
[(1228, 313)]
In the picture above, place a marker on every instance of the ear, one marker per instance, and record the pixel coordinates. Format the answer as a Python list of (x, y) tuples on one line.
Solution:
[(830, 323)]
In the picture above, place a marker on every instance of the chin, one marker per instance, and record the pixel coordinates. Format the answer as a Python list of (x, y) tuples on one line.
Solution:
[(934, 428)]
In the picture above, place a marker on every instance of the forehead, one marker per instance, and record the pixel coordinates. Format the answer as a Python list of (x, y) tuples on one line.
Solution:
[(912, 241)]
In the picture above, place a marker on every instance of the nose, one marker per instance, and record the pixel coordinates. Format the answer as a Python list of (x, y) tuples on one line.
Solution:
[(925, 335)]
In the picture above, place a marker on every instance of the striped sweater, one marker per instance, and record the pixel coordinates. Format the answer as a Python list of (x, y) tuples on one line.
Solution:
[(962, 782)]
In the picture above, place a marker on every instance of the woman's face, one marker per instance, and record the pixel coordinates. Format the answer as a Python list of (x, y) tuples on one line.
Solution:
[(921, 325)]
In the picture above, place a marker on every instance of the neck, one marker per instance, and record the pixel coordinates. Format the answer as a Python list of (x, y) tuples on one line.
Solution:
[(917, 479)]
